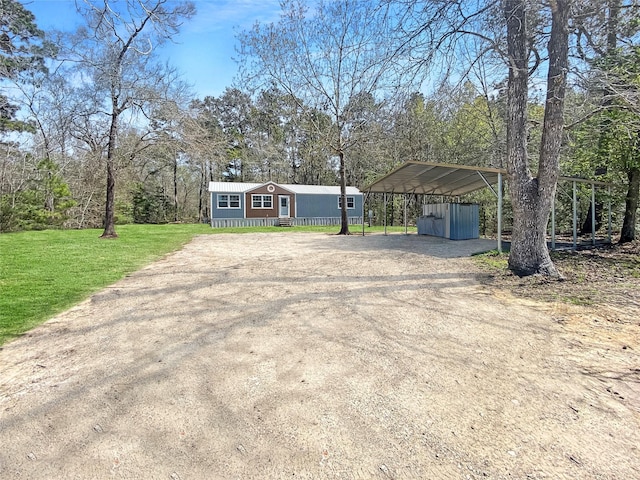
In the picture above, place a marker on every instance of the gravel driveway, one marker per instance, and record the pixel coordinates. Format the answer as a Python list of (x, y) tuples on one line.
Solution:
[(297, 355)]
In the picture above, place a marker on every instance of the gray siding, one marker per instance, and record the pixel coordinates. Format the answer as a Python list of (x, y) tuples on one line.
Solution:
[(226, 212), (309, 205)]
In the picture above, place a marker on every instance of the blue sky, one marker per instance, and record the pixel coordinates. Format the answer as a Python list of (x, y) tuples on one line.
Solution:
[(204, 49)]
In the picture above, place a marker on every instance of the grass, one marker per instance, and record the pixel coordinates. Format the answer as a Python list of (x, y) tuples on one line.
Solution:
[(595, 278), (45, 272), (493, 260)]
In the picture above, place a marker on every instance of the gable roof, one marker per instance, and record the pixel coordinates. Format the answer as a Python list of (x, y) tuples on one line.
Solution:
[(444, 179), (274, 184), (435, 179), (238, 187)]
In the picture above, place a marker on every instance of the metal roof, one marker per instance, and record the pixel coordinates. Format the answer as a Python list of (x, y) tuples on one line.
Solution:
[(444, 179), (232, 187), (435, 179), (237, 187), (319, 189)]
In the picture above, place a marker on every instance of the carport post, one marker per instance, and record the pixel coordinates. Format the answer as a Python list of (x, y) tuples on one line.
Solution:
[(364, 201), (553, 223), (609, 202), (499, 212), (406, 232), (593, 214), (575, 216), (385, 213)]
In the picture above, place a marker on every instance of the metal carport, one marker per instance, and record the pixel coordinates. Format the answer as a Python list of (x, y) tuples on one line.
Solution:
[(429, 178)]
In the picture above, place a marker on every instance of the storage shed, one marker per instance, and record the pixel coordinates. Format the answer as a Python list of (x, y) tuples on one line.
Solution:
[(455, 221)]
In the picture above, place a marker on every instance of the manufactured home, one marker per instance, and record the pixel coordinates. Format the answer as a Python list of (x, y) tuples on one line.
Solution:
[(247, 204)]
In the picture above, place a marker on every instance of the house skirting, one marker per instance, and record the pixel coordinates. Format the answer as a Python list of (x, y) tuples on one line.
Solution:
[(273, 221)]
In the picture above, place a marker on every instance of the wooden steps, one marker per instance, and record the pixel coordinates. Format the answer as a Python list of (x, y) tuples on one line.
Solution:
[(285, 222)]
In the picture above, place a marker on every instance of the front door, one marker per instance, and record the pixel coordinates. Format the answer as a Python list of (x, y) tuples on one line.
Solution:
[(284, 206)]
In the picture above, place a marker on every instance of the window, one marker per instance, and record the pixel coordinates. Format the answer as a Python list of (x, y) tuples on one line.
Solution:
[(228, 201), (351, 202), (262, 201)]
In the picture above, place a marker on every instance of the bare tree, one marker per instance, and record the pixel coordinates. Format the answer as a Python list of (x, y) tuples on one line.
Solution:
[(324, 59), (115, 53), (205, 149)]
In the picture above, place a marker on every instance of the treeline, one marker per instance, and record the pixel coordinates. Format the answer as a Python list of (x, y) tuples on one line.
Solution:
[(76, 124)]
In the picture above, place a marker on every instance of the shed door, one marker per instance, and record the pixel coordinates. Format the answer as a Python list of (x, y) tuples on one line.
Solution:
[(284, 211)]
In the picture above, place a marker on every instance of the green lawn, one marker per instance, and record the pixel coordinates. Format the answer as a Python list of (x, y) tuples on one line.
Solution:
[(45, 272)]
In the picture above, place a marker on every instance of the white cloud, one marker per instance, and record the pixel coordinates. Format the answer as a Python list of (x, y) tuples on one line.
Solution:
[(216, 15)]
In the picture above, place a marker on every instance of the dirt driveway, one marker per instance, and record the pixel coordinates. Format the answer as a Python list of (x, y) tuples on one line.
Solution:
[(315, 356)]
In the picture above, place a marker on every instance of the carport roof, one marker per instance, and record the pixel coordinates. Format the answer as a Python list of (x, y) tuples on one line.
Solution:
[(435, 179), (443, 179)]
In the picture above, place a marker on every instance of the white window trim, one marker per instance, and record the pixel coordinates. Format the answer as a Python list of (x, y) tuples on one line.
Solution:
[(228, 195), (350, 201), (262, 197)]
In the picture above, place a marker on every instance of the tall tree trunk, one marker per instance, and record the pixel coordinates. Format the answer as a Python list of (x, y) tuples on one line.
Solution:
[(628, 232), (607, 101), (344, 218), (587, 225), (201, 193), (175, 189), (532, 197), (109, 219)]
